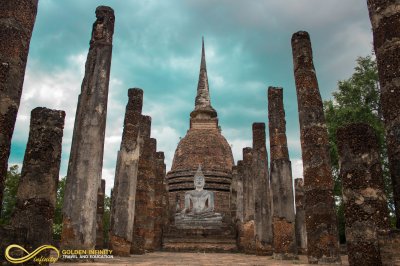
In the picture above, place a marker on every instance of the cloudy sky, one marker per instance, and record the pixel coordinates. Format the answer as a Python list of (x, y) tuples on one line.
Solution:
[(157, 47)]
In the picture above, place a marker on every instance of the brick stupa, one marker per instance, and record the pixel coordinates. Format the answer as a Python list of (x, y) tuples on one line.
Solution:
[(203, 145)]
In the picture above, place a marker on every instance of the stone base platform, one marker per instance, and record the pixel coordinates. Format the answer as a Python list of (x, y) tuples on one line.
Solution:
[(199, 239)]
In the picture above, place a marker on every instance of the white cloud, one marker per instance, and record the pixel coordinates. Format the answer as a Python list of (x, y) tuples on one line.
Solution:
[(246, 43), (167, 141), (57, 89), (108, 175)]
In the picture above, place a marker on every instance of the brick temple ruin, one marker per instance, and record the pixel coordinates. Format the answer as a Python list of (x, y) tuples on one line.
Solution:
[(205, 203)]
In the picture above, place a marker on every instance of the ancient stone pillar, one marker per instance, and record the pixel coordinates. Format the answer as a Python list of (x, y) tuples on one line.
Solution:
[(322, 234), (281, 179), (248, 185), (385, 20), (165, 201), (239, 193), (160, 203), (364, 196), (301, 232), (247, 228), (233, 195), (239, 222), (262, 192), (144, 207), (125, 182), (86, 157), (36, 196), (100, 215), (17, 18)]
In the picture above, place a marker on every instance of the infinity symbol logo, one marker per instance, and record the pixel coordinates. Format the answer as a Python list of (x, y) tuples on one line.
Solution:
[(29, 255)]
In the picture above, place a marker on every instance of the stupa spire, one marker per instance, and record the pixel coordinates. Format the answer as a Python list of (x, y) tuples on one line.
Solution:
[(203, 102), (203, 56)]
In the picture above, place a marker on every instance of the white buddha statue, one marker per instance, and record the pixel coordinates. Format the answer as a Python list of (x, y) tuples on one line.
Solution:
[(199, 203)]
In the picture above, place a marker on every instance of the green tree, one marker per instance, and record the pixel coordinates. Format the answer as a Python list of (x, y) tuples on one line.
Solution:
[(356, 100), (10, 193), (106, 217), (57, 225)]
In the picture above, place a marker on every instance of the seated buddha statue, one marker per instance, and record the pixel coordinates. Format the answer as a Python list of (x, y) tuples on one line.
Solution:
[(199, 203)]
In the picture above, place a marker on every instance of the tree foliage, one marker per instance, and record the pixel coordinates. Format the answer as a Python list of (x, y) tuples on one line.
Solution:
[(57, 225), (357, 99), (10, 198), (106, 217), (10, 194)]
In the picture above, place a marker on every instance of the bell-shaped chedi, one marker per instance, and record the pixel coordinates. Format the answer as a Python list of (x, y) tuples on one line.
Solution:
[(203, 145)]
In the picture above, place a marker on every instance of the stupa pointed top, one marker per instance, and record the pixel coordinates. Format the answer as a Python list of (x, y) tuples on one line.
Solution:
[(203, 56), (203, 102)]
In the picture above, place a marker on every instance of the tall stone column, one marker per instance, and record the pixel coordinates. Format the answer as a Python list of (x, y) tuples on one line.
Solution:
[(281, 179), (144, 192), (100, 215), (247, 228), (322, 234), (234, 195), (385, 20), (240, 221), (37, 190), (301, 232), (17, 18), (364, 197), (248, 184), (125, 182), (160, 203), (262, 192), (86, 157), (239, 197)]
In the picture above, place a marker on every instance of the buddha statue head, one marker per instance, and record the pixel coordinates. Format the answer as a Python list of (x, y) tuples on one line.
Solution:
[(199, 179)]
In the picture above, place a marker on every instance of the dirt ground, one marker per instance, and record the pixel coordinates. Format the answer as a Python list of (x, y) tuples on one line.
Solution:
[(171, 258)]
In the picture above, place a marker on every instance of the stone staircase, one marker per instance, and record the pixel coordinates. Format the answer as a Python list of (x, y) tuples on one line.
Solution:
[(200, 239)]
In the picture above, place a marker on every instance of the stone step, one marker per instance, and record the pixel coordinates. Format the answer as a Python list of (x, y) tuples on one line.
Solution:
[(195, 246), (197, 236), (201, 240), (224, 231)]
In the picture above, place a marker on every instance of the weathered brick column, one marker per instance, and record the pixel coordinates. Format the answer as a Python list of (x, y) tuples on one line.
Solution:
[(385, 20), (125, 182), (234, 194), (17, 18), (239, 195), (100, 215), (364, 196), (262, 192), (322, 234), (165, 197), (248, 226), (239, 222), (143, 224), (248, 184), (86, 157), (284, 233), (301, 232), (160, 203), (36, 196)]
